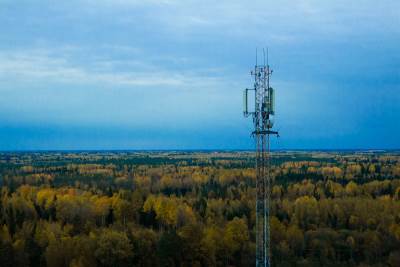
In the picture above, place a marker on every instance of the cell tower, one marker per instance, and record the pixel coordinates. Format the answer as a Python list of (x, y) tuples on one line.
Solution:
[(264, 110)]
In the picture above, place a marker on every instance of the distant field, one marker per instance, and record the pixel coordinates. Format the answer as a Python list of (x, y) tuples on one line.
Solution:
[(197, 208)]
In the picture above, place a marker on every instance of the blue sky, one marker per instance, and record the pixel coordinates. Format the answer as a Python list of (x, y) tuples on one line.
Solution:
[(116, 74)]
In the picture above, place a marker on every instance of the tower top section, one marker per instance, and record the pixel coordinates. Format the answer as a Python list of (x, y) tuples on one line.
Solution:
[(263, 109)]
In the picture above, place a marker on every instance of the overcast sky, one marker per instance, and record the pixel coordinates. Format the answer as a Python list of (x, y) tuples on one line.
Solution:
[(115, 74)]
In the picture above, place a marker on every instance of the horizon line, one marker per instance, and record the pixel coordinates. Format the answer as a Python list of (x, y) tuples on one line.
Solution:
[(201, 150)]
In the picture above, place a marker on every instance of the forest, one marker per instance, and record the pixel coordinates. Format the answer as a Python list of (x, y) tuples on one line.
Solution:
[(197, 208)]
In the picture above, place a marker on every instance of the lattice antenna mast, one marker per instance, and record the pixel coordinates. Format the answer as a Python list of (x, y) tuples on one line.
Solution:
[(264, 110)]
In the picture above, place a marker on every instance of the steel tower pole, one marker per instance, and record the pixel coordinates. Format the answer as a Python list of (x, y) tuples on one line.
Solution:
[(262, 119)]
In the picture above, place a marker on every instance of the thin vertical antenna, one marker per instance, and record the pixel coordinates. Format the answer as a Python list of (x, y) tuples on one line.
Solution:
[(264, 55), (256, 56), (267, 57)]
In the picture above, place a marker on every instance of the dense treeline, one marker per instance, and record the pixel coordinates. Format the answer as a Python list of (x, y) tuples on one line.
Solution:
[(196, 209)]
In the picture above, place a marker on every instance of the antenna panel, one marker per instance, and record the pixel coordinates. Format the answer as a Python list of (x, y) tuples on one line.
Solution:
[(272, 101), (245, 102)]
